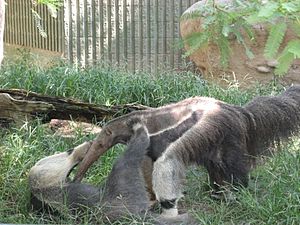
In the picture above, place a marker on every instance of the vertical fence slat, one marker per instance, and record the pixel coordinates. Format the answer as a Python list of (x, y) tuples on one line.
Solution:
[(17, 22), (148, 31), (156, 36), (70, 41), (78, 31), (50, 36), (101, 29), (35, 31), (39, 37), (94, 59), (53, 33), (117, 30), (18, 27), (141, 36), (125, 53), (22, 22), (109, 32), (132, 36), (29, 23), (180, 11), (164, 31), (172, 33), (85, 32), (61, 35), (7, 28), (45, 20)]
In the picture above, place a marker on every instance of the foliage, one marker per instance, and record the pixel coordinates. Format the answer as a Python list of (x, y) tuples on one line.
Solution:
[(52, 5), (220, 23)]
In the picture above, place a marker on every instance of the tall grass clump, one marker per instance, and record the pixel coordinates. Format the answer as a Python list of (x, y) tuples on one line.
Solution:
[(110, 86)]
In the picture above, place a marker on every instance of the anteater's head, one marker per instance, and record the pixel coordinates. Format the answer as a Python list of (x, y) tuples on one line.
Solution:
[(116, 131), (52, 171)]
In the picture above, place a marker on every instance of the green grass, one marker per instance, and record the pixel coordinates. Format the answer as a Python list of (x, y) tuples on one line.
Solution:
[(272, 198)]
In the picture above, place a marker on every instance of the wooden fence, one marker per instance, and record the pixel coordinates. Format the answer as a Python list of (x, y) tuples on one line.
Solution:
[(21, 26), (140, 35), (137, 34)]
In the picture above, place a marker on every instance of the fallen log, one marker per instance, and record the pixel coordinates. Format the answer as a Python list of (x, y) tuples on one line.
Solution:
[(18, 105)]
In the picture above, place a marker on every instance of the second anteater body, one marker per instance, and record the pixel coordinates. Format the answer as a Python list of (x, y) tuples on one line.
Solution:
[(123, 193), (224, 138)]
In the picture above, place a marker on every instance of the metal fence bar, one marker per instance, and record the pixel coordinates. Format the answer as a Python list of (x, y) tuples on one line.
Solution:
[(109, 31), (46, 18), (180, 52), (172, 33), (93, 28), (132, 36), (78, 42), (125, 32), (164, 31), (101, 29), (148, 31), (61, 34), (141, 36), (85, 32), (156, 36), (70, 41), (117, 31)]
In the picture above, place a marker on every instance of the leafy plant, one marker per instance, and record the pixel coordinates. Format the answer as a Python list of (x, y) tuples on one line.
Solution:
[(220, 22), (52, 5)]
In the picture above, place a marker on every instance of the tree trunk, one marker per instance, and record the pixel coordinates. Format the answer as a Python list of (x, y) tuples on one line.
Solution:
[(2, 21), (19, 105)]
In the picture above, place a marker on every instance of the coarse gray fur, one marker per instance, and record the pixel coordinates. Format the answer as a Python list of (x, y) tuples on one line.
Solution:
[(124, 192), (226, 142), (225, 139)]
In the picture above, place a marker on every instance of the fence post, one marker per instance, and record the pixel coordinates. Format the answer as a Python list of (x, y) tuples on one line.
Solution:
[(132, 28), (93, 26), (70, 33), (141, 36), (117, 31), (125, 46)]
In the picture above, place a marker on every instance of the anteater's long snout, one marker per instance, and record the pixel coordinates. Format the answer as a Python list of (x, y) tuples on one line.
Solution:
[(95, 151)]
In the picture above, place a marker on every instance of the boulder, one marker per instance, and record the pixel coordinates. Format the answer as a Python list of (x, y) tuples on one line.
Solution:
[(241, 70)]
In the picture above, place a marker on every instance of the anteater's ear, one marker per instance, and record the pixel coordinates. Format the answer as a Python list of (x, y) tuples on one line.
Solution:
[(132, 121), (108, 132)]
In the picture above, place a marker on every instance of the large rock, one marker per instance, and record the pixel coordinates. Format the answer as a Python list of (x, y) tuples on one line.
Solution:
[(241, 69)]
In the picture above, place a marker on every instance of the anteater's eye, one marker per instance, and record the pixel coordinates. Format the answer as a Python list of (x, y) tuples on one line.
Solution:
[(108, 132)]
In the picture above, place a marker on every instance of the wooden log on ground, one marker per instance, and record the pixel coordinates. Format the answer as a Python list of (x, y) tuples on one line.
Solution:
[(19, 105)]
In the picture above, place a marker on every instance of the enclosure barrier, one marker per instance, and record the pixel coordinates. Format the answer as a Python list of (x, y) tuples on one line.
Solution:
[(140, 35)]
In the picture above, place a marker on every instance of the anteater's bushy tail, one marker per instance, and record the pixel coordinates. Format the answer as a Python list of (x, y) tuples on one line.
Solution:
[(274, 118)]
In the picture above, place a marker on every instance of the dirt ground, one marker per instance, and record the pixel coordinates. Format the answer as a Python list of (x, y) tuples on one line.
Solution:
[(41, 57), (242, 70)]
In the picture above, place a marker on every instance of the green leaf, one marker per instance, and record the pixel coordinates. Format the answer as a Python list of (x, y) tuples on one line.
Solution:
[(224, 48), (294, 48), (296, 28), (290, 6), (284, 63), (226, 30), (268, 9), (254, 19), (275, 39), (195, 41), (241, 40)]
